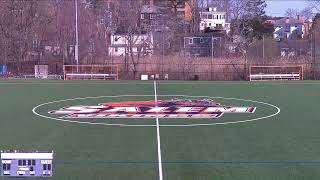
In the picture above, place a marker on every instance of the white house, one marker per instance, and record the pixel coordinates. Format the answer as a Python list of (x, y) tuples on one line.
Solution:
[(287, 28), (119, 45), (214, 19)]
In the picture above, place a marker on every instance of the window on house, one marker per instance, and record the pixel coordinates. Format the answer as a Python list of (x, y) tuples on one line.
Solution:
[(196, 40), (29, 162), (115, 39), (45, 167), (224, 16), (101, 21), (19, 162), (142, 16), (204, 16), (190, 41), (24, 162), (6, 167), (210, 16), (116, 49), (218, 25), (49, 167), (201, 40), (217, 16), (35, 43), (287, 28), (209, 24), (33, 162)]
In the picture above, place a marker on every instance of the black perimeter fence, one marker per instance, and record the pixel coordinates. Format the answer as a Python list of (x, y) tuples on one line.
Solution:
[(180, 68)]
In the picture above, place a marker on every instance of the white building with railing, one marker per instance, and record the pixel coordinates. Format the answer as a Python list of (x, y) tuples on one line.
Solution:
[(214, 20)]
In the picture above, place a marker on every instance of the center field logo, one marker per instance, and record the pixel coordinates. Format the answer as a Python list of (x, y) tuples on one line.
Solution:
[(175, 108)]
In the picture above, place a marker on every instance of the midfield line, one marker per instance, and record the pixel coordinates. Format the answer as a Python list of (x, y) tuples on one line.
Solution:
[(158, 133)]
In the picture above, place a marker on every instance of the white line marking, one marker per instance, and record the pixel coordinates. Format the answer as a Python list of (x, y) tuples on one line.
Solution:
[(163, 83), (73, 83), (34, 110), (158, 133)]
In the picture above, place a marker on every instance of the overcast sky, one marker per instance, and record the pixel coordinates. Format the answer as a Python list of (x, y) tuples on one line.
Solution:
[(279, 7)]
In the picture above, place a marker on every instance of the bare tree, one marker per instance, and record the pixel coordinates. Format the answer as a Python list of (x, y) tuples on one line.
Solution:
[(28, 26), (127, 21), (307, 13), (314, 4), (237, 8), (193, 15), (293, 13), (22, 25), (248, 25)]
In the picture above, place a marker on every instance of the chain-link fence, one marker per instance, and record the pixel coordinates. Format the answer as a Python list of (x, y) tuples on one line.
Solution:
[(27, 67), (182, 68), (213, 60)]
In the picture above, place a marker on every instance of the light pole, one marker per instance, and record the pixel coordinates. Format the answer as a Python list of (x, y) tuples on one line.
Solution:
[(263, 49), (76, 48)]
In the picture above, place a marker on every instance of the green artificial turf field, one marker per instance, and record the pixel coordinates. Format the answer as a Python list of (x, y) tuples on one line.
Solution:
[(260, 146)]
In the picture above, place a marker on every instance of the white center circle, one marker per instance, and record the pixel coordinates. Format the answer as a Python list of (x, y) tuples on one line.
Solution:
[(34, 110)]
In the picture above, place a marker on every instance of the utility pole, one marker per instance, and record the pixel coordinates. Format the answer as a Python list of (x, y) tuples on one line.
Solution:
[(5, 51), (76, 50), (20, 43), (211, 62), (263, 48), (226, 8), (162, 57), (311, 53), (212, 48), (312, 41)]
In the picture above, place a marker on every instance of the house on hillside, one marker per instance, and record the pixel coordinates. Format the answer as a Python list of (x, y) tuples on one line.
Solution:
[(150, 17), (214, 19), (177, 6), (120, 44), (290, 28)]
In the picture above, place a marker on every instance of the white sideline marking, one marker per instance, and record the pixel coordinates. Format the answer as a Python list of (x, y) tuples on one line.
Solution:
[(74, 74), (158, 133)]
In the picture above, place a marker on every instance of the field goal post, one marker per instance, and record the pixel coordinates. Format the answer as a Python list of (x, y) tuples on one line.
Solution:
[(90, 72), (270, 73)]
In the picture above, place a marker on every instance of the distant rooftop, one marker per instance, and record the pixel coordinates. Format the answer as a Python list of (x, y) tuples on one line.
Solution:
[(213, 9), (287, 20), (149, 9)]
